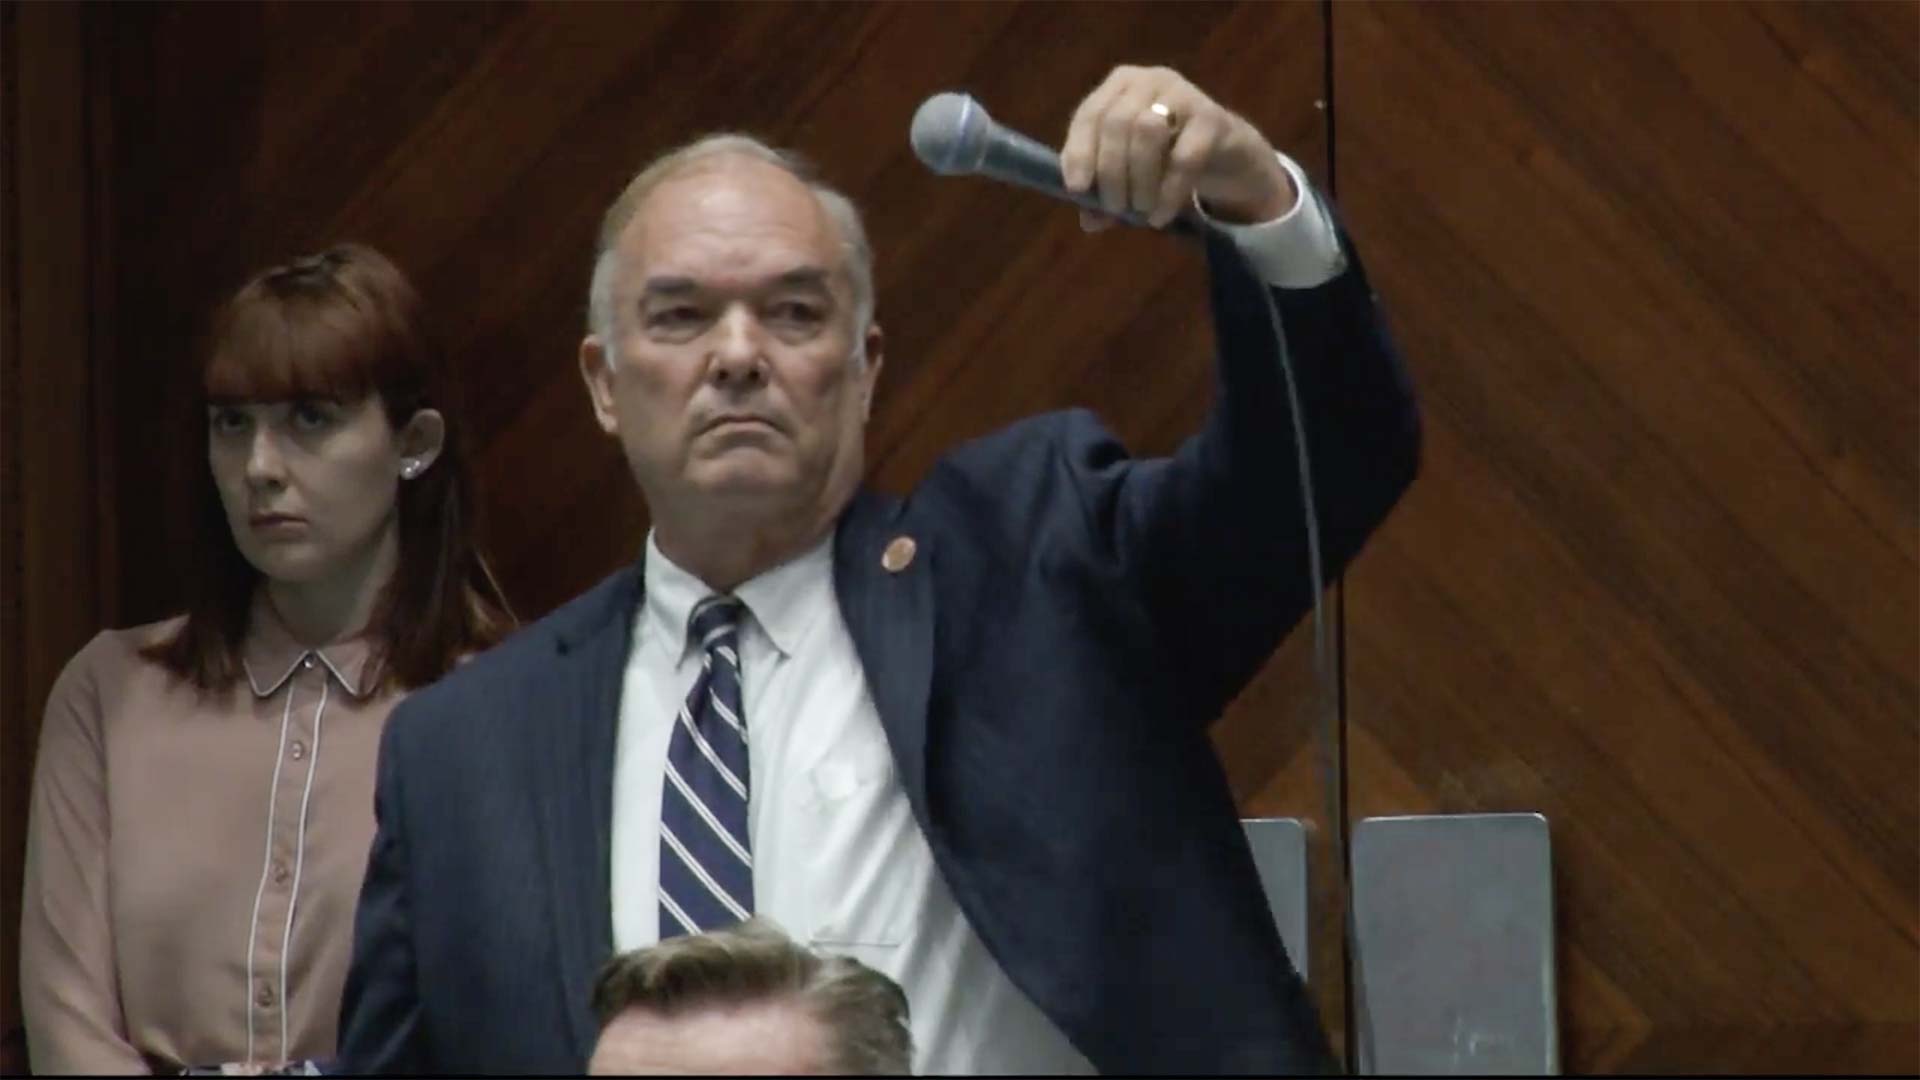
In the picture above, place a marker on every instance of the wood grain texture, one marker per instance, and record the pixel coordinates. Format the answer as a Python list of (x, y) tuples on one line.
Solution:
[(1656, 269), (54, 554)]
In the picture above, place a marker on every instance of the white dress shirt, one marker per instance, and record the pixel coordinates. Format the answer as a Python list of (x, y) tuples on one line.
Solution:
[(838, 860)]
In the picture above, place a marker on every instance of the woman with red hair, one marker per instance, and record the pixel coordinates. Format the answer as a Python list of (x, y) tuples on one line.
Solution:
[(203, 797)]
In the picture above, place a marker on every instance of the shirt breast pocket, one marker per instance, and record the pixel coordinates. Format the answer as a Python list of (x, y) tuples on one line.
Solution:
[(868, 868)]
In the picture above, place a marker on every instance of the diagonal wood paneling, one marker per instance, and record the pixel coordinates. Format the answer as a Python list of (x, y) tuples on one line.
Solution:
[(1656, 266)]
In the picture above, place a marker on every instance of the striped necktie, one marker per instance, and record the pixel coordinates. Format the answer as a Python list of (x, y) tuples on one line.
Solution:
[(706, 863)]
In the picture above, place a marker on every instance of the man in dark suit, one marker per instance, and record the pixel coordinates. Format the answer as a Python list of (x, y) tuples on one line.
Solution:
[(961, 736)]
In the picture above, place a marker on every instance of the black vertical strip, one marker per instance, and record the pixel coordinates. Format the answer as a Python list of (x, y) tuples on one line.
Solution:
[(15, 744), (1350, 984), (151, 404), (93, 261)]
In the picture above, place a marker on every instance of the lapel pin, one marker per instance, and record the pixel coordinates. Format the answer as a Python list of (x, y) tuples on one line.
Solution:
[(899, 554)]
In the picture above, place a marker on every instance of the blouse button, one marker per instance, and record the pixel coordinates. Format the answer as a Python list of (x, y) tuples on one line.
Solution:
[(280, 872), (299, 750), (264, 998), (307, 663)]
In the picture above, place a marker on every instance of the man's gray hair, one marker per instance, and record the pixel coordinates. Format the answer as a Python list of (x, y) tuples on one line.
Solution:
[(840, 209), (863, 1012)]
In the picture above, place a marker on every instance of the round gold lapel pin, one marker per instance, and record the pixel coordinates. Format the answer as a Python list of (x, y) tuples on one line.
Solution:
[(899, 554)]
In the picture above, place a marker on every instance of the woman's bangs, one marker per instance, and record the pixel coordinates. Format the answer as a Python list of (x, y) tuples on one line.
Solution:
[(282, 351)]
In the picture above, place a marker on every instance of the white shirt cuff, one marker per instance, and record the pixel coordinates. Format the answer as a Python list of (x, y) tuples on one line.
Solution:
[(1297, 250)]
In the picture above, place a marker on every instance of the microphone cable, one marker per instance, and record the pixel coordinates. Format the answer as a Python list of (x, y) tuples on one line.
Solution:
[(1332, 730)]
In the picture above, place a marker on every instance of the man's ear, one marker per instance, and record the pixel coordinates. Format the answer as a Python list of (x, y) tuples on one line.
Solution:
[(596, 369), (876, 341), (421, 441)]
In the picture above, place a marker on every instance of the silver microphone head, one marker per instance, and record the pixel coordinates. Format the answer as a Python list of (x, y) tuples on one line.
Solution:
[(950, 133)]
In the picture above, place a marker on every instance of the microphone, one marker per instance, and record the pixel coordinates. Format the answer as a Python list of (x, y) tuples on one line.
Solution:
[(953, 135)]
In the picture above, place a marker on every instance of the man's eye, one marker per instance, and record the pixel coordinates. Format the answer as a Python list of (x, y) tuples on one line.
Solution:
[(796, 311), (674, 316)]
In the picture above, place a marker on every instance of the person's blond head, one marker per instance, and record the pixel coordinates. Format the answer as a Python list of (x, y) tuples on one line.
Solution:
[(731, 981)]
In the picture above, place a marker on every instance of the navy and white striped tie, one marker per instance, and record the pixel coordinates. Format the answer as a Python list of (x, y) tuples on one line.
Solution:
[(706, 863)]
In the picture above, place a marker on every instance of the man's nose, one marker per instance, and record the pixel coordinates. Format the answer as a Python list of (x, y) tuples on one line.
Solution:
[(739, 359)]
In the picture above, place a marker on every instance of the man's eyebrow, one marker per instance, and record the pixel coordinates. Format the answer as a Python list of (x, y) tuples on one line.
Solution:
[(802, 277), (670, 286)]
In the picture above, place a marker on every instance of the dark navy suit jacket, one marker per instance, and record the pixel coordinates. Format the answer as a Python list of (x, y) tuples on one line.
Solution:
[(1046, 670)]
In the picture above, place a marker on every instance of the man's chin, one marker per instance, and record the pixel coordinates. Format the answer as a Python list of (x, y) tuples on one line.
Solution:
[(747, 485)]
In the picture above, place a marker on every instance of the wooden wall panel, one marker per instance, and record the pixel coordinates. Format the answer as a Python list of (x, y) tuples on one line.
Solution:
[(1656, 269), (54, 555)]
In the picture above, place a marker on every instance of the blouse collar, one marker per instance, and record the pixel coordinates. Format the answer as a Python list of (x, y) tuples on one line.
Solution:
[(271, 655)]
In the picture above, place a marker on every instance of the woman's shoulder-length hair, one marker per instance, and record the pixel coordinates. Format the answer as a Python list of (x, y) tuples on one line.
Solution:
[(342, 324)]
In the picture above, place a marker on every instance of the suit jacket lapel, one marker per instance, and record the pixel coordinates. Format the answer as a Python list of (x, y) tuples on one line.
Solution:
[(889, 613), (575, 796)]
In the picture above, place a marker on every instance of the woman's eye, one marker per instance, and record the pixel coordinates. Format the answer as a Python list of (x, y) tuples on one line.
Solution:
[(312, 416), (226, 421)]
